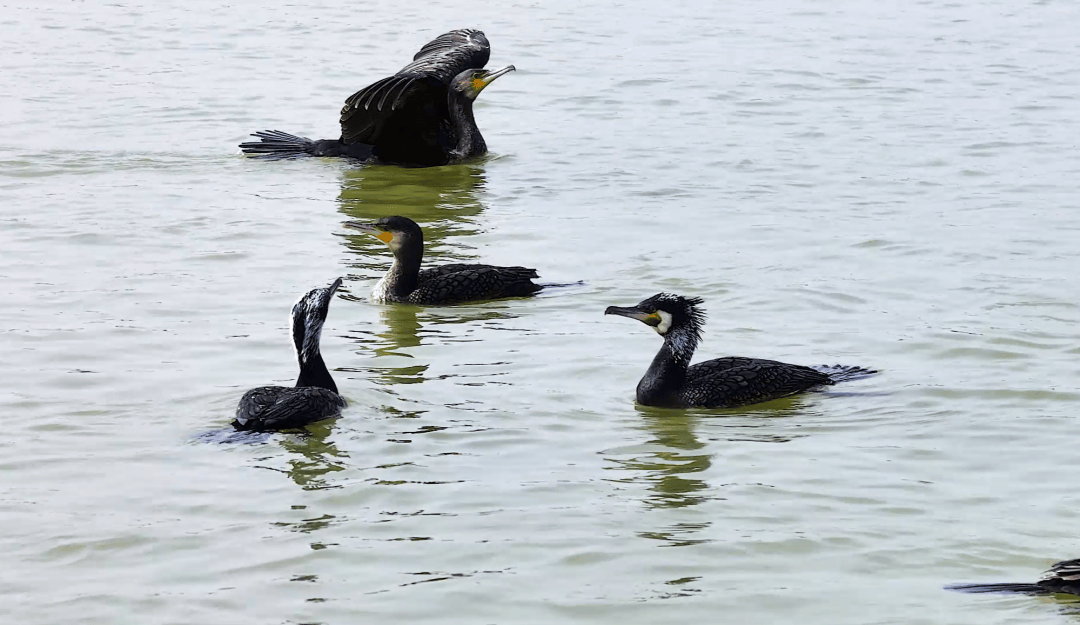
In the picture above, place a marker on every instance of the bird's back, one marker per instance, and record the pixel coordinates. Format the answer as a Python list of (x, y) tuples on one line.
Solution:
[(284, 407), (455, 283), (736, 381)]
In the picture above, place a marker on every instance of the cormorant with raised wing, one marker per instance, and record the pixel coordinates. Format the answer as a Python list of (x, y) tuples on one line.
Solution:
[(671, 382), (315, 395), (1063, 577), (420, 117), (446, 284)]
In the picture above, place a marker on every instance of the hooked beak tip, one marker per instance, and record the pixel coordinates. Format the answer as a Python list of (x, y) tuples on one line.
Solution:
[(359, 225)]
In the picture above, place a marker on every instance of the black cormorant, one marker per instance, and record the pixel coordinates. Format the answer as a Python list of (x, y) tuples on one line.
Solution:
[(420, 117), (446, 284), (671, 382), (1063, 577), (315, 395)]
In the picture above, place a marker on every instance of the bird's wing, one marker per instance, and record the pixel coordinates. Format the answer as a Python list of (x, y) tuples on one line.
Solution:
[(371, 111), (255, 403), (431, 273), (450, 54), (735, 381), (450, 284), (1068, 570), (278, 407)]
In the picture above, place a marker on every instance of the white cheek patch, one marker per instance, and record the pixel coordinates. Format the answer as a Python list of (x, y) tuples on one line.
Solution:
[(665, 323)]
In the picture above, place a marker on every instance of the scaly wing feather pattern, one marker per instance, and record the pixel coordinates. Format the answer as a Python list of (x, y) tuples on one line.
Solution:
[(450, 284), (1062, 577), (736, 381), (370, 112), (281, 407)]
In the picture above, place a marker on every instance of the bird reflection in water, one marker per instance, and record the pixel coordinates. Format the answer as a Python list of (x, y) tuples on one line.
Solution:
[(312, 457), (675, 458), (450, 193), (672, 464), (398, 332)]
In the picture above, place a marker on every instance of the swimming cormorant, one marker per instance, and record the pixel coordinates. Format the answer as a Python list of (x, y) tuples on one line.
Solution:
[(420, 117), (446, 284), (1063, 577), (315, 395), (671, 382)]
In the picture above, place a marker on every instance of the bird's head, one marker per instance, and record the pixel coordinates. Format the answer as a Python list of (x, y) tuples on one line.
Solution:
[(393, 231), (472, 81), (308, 315), (665, 312)]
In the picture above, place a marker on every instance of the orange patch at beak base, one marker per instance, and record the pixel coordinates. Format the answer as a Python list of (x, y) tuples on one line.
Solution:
[(385, 237)]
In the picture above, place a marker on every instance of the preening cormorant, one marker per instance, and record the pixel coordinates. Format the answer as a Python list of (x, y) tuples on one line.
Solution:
[(1063, 577), (671, 382), (420, 117), (446, 284), (315, 395)]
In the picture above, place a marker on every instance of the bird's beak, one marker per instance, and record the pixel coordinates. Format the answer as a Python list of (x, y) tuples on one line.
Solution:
[(325, 295), (651, 319), (491, 76), (371, 229)]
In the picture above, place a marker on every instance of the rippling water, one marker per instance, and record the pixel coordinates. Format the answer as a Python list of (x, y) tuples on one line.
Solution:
[(893, 186)]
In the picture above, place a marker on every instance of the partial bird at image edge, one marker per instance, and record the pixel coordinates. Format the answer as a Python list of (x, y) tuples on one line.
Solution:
[(1062, 578)]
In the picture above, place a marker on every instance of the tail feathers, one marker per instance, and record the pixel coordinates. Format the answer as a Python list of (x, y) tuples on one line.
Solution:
[(277, 144), (521, 289), (843, 373), (562, 285), (1030, 589), (518, 281)]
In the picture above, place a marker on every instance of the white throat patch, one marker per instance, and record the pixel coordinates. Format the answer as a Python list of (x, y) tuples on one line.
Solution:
[(665, 322), (395, 242), (380, 294)]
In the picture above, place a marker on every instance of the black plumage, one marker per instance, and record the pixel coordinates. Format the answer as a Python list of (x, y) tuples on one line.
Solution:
[(671, 381), (315, 395), (445, 284), (1063, 577), (421, 116)]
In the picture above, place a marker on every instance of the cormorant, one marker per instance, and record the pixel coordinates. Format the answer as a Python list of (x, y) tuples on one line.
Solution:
[(315, 395), (420, 117), (447, 284), (671, 382), (1063, 577)]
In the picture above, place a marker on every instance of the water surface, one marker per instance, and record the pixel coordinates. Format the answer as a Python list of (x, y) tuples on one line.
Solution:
[(886, 186)]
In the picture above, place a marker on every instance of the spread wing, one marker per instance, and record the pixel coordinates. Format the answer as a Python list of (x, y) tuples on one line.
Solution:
[(280, 407), (455, 283), (368, 113), (736, 381)]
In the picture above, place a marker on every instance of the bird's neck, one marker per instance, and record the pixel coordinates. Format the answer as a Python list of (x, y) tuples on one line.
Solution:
[(666, 377), (469, 140), (401, 277), (313, 372)]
